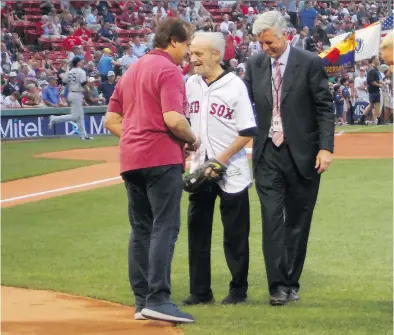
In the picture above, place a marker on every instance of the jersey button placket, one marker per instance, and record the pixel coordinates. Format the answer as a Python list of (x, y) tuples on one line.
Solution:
[(204, 125)]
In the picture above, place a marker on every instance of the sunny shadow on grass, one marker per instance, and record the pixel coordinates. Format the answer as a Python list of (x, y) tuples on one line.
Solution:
[(18, 161), (78, 244)]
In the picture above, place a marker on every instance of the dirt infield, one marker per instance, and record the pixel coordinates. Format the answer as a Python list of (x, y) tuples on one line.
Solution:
[(49, 313), (42, 312)]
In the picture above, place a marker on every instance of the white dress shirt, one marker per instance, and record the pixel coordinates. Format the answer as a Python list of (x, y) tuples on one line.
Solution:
[(283, 60)]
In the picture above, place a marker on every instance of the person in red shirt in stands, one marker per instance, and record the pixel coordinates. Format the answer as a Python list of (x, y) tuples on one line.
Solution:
[(83, 32), (127, 18), (229, 51), (147, 111), (136, 5), (140, 20)]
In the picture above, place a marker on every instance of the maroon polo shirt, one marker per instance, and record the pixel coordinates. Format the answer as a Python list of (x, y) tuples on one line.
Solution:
[(125, 17), (152, 86)]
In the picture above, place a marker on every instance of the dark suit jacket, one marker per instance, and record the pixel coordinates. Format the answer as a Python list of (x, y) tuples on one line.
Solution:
[(306, 106)]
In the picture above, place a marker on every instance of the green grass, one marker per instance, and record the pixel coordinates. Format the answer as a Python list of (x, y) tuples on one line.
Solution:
[(365, 129), (18, 159), (78, 244)]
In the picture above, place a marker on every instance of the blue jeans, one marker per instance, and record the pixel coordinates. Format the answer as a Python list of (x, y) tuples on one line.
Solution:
[(154, 197)]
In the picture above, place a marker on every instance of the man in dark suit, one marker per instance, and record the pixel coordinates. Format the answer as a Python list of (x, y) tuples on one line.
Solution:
[(295, 140)]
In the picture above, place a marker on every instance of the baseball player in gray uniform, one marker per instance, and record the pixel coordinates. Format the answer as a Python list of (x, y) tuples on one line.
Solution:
[(221, 115), (76, 80)]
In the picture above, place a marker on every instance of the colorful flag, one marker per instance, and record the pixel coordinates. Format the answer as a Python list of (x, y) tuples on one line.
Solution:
[(340, 58), (387, 25), (367, 41)]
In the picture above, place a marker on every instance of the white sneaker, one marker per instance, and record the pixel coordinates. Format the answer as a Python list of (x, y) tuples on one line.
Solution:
[(138, 316), (87, 138)]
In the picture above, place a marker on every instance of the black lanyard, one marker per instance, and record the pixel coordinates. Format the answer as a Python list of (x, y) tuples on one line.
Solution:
[(277, 90)]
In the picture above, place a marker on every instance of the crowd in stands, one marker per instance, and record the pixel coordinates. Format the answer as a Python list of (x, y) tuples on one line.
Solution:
[(40, 38)]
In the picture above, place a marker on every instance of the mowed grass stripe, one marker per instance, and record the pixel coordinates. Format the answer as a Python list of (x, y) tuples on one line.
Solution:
[(365, 129), (78, 244), (18, 159)]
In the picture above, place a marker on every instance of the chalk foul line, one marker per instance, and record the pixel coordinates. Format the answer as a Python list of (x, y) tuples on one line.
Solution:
[(73, 187)]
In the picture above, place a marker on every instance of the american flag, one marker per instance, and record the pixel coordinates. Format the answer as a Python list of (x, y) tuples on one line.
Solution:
[(387, 25)]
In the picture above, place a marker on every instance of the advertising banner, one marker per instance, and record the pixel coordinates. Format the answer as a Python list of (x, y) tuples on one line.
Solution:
[(359, 107), (36, 126)]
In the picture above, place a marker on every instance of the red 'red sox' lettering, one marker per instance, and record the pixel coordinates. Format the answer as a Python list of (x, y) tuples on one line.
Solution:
[(194, 107), (221, 111)]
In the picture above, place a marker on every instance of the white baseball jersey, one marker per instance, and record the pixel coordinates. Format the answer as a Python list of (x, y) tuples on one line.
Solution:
[(75, 78), (218, 113)]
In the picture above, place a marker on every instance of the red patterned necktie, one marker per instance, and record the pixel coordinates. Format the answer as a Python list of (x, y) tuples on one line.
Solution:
[(277, 136)]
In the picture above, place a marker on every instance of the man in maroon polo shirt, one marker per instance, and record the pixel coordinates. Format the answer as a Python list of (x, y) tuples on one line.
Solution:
[(147, 112)]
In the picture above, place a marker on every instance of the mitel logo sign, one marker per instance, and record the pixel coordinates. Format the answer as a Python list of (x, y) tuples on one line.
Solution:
[(16, 128), (97, 128), (94, 126), (36, 126)]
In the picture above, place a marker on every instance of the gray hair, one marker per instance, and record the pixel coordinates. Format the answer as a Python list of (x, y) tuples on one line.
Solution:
[(216, 40), (272, 20)]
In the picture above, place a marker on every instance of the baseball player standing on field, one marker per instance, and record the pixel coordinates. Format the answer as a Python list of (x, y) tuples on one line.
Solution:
[(76, 80), (222, 116)]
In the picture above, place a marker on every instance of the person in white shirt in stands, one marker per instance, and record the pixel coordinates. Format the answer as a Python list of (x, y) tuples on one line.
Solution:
[(360, 83), (192, 10), (159, 7), (298, 40), (138, 47), (226, 25), (76, 51), (254, 46), (128, 59), (93, 20), (12, 100), (251, 15)]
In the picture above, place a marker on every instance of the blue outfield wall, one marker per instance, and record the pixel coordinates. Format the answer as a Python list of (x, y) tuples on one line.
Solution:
[(33, 122)]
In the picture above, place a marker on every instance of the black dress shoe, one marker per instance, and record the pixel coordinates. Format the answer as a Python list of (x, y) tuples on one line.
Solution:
[(196, 300), (279, 298), (234, 299), (293, 295)]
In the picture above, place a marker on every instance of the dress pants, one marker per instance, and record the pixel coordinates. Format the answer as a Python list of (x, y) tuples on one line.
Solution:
[(287, 201)]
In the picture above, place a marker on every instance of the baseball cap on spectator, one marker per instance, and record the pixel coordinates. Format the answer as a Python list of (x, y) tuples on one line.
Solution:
[(251, 9), (12, 74), (44, 83), (110, 73), (31, 73), (107, 51), (91, 79)]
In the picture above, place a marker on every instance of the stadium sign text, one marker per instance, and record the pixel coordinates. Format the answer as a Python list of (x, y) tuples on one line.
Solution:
[(37, 126)]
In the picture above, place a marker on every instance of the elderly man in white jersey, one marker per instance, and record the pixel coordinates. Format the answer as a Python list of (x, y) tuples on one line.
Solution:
[(76, 81), (222, 116)]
